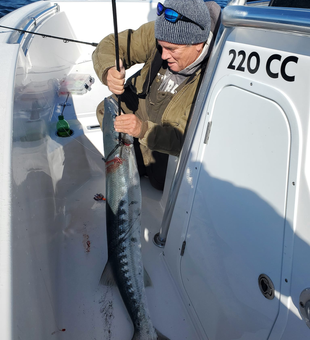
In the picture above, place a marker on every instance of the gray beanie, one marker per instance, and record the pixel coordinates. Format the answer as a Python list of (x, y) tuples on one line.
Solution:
[(182, 32)]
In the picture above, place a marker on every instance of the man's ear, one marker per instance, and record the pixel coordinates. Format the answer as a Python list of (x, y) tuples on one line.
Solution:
[(199, 47)]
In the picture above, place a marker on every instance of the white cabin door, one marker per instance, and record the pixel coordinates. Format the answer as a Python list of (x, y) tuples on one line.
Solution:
[(236, 227)]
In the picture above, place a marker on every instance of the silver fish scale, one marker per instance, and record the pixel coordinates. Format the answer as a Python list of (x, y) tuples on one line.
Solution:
[(123, 196)]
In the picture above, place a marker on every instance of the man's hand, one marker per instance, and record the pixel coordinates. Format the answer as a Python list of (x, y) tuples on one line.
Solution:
[(128, 123), (116, 80)]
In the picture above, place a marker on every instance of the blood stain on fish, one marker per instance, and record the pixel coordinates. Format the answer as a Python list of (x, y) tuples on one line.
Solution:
[(113, 164)]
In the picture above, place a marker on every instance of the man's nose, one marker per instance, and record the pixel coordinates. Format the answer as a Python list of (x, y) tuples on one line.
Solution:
[(165, 54)]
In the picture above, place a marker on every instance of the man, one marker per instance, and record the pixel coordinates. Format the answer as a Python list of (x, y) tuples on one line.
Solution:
[(158, 100)]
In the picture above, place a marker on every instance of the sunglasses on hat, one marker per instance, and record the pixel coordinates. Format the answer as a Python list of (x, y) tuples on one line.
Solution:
[(173, 16)]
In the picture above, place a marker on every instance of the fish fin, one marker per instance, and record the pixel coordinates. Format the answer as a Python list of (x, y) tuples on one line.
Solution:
[(107, 277), (147, 279), (160, 336)]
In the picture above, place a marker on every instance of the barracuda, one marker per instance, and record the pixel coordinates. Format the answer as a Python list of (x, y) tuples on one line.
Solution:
[(123, 196)]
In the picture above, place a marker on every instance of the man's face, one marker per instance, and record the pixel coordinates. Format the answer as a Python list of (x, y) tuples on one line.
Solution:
[(179, 56)]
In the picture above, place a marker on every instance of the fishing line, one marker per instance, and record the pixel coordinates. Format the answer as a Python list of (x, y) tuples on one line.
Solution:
[(111, 152), (65, 40), (97, 154), (85, 147), (64, 105)]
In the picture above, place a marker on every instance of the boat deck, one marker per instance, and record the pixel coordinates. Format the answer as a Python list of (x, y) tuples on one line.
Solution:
[(73, 304)]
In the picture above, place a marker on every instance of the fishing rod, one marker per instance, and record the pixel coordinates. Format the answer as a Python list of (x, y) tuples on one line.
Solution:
[(65, 40), (117, 61), (116, 48)]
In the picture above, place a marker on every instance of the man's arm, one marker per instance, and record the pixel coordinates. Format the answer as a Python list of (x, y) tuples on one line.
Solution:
[(135, 47)]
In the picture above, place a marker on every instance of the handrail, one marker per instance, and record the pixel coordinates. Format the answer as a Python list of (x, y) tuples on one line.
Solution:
[(33, 24), (270, 18)]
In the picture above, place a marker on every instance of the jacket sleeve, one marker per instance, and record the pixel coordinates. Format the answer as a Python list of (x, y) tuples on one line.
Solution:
[(135, 47)]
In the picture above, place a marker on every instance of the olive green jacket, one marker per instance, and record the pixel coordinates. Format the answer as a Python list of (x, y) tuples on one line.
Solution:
[(137, 47)]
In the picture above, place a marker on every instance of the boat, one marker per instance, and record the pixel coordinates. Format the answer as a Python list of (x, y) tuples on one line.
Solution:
[(226, 244)]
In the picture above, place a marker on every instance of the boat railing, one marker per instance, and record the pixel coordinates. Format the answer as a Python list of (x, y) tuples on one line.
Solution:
[(270, 18), (33, 24)]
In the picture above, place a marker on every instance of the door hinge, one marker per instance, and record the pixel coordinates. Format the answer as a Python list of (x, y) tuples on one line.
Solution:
[(208, 133), (183, 248)]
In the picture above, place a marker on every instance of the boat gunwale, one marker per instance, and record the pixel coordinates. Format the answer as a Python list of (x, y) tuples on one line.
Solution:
[(293, 20)]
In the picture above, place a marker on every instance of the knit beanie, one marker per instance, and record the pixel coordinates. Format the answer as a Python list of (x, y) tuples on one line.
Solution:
[(182, 32)]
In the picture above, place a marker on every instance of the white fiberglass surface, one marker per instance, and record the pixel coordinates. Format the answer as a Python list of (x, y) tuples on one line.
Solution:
[(58, 233), (58, 229), (59, 250), (236, 228)]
